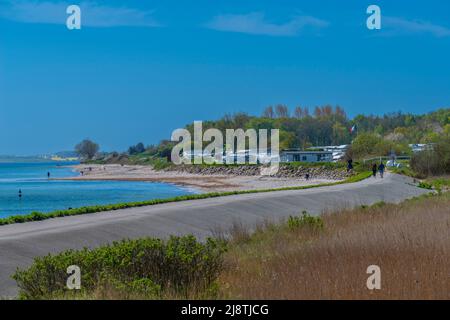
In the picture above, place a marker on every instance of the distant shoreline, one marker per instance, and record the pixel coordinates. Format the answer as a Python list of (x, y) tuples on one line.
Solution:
[(35, 160)]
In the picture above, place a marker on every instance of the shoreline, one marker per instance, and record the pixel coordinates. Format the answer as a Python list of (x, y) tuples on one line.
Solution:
[(199, 182)]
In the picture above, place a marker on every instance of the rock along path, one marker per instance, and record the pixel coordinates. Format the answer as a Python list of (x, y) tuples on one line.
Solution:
[(20, 243)]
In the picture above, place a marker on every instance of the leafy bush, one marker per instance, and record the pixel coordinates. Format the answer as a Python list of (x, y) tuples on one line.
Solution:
[(366, 144), (159, 163), (305, 220), (180, 266)]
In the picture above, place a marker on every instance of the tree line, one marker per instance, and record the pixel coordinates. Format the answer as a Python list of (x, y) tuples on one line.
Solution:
[(321, 126)]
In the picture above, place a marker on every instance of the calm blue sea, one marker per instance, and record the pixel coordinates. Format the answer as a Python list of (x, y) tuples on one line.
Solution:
[(43, 195)]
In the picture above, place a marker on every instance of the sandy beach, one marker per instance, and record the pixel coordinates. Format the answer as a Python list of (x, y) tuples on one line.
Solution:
[(203, 183)]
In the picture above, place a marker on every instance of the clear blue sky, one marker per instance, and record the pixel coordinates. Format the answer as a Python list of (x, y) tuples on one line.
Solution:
[(139, 69)]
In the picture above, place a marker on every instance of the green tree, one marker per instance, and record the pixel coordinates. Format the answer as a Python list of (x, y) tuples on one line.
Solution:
[(138, 148), (87, 149), (268, 113), (282, 111), (287, 140), (364, 144), (447, 130), (340, 133)]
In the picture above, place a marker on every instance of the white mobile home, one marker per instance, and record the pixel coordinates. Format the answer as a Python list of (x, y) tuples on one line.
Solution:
[(306, 156)]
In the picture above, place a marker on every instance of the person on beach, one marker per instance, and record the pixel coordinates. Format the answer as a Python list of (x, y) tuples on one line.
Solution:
[(349, 165), (374, 170), (381, 169)]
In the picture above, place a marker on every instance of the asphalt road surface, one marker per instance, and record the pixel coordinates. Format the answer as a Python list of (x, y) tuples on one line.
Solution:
[(20, 243)]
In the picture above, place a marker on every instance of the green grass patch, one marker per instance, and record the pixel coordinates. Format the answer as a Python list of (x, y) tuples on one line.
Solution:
[(439, 184), (425, 185), (406, 171), (305, 220)]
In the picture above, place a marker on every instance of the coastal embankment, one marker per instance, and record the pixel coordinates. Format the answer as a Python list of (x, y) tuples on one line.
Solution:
[(20, 243)]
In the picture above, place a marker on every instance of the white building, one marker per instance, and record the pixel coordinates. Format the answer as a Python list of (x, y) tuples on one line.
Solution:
[(306, 156), (338, 151), (418, 147)]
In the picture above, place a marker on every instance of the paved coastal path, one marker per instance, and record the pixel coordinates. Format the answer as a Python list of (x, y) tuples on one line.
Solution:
[(20, 243)]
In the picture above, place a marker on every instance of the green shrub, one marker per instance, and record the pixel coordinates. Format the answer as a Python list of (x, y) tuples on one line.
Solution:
[(378, 204), (425, 185), (159, 163), (305, 220), (370, 143), (181, 266)]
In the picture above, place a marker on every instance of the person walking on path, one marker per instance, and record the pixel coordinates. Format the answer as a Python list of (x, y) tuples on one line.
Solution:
[(349, 165), (381, 168), (374, 170)]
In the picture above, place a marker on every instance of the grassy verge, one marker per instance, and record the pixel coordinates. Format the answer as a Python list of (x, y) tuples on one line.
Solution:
[(38, 216), (304, 257), (406, 171), (439, 184), (409, 242)]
